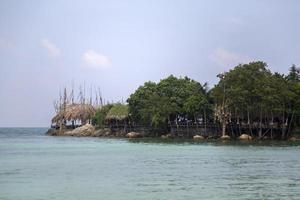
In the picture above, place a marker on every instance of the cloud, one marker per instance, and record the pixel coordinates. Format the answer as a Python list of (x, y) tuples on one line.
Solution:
[(227, 59), (52, 50), (96, 60)]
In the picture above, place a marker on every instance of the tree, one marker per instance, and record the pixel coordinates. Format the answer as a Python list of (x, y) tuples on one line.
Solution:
[(99, 117), (159, 104)]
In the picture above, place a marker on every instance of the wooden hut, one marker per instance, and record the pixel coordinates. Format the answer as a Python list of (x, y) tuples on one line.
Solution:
[(73, 115), (117, 115)]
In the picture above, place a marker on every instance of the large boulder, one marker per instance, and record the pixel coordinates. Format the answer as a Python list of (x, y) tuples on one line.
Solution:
[(85, 130), (245, 137), (198, 137), (225, 137), (133, 135)]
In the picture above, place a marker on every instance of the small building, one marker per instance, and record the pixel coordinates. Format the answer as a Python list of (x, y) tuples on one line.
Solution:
[(118, 115), (73, 115)]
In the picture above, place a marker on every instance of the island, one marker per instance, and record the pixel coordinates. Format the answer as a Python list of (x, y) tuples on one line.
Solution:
[(248, 103)]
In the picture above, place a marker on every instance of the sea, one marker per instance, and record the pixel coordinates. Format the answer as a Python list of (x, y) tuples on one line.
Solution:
[(34, 166)]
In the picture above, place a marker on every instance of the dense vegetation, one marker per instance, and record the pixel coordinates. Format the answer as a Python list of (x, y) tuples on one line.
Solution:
[(110, 113), (171, 100), (100, 117), (250, 94)]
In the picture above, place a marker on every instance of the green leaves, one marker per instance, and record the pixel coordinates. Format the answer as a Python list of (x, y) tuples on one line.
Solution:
[(248, 90), (100, 116), (156, 104)]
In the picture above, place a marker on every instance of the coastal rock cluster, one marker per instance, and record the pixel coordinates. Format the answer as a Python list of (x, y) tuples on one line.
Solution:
[(89, 130)]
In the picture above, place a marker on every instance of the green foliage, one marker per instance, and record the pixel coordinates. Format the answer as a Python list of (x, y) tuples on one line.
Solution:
[(249, 92), (157, 104), (118, 111), (100, 116), (243, 86), (252, 91)]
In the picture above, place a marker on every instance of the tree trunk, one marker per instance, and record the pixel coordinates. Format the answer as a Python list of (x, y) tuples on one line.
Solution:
[(223, 128), (238, 123), (260, 124), (205, 121), (290, 123), (283, 125), (195, 119), (187, 127), (249, 123), (272, 124)]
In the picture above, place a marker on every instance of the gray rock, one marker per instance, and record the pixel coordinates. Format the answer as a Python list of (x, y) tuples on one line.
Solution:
[(52, 132), (133, 135), (225, 137), (198, 137), (245, 137), (85, 130)]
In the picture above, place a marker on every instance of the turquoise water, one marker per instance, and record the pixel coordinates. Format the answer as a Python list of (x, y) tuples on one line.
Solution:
[(36, 166)]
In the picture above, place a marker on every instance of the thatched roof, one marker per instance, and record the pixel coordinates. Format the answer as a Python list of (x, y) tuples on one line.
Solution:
[(118, 112), (81, 112)]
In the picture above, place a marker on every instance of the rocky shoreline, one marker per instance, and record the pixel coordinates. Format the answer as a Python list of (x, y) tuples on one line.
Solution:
[(89, 130)]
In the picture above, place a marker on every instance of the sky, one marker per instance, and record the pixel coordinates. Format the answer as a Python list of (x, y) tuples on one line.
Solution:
[(118, 45)]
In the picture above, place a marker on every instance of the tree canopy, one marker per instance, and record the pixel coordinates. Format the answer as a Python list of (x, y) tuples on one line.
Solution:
[(247, 95), (158, 104), (251, 93)]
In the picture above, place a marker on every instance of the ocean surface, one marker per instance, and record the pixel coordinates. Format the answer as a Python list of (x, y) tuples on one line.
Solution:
[(34, 166)]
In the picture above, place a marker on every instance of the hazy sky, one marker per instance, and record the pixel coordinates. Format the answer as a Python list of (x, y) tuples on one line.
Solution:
[(118, 45)]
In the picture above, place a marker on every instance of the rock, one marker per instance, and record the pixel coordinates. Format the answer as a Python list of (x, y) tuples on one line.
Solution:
[(198, 137), (56, 132), (294, 139), (245, 137), (85, 130), (225, 137), (133, 135), (164, 136), (167, 136), (98, 133), (103, 132), (52, 131)]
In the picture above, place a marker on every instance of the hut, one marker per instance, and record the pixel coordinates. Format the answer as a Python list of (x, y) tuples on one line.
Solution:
[(117, 115), (73, 115)]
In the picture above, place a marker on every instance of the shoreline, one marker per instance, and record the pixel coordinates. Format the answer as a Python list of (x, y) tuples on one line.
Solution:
[(107, 133)]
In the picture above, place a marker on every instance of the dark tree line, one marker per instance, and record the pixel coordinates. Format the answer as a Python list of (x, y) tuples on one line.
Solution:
[(171, 100), (249, 95)]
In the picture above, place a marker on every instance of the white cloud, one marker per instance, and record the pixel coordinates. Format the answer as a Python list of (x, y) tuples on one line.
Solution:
[(52, 50), (96, 60), (227, 59)]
